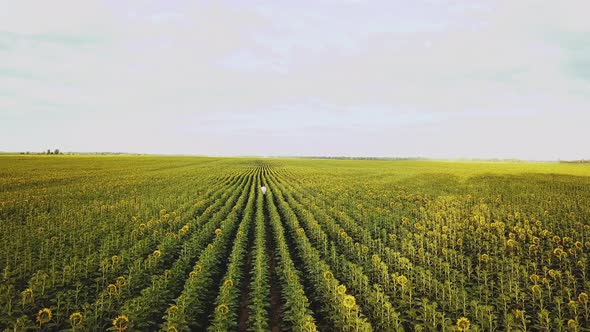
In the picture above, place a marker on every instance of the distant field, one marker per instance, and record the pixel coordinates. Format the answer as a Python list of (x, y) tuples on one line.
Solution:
[(139, 243)]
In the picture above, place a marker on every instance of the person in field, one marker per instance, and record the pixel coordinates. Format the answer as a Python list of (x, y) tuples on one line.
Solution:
[(263, 189)]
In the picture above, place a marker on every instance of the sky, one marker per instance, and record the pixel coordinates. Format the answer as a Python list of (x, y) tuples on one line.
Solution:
[(435, 79)]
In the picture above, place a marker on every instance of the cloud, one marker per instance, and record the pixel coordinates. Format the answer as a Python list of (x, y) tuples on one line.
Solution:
[(467, 79)]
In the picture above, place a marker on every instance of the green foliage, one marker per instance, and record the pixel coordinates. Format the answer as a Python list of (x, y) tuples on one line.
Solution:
[(97, 243)]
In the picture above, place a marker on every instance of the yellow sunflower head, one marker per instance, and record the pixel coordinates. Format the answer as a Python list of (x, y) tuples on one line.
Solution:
[(121, 323), (511, 243), (463, 324), (121, 281), (573, 305), (349, 301), (173, 309), (484, 258), (184, 230), (572, 325), (76, 319), (112, 289), (557, 251), (341, 289), (518, 314), (402, 280), (27, 295), (310, 327), (44, 316), (222, 309)]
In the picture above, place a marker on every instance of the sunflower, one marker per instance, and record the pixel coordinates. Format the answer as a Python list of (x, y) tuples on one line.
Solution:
[(27, 295), (572, 325), (328, 275), (218, 232), (157, 253), (557, 251), (463, 324), (121, 281), (222, 309), (349, 301), (376, 259), (341, 289), (402, 280), (511, 243), (173, 309), (184, 230), (554, 274), (518, 314), (364, 249), (44, 316), (484, 258), (121, 323), (76, 319), (310, 327), (583, 298), (228, 283), (112, 290)]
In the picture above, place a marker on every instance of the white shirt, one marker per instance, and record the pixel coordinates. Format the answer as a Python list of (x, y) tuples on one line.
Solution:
[(263, 188)]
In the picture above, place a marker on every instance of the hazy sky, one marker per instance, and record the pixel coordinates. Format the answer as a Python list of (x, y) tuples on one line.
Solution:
[(507, 79)]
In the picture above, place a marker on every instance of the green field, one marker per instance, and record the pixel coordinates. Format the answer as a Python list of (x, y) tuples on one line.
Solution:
[(141, 243)]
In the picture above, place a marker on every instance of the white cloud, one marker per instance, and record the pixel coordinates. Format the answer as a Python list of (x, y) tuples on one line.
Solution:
[(499, 79)]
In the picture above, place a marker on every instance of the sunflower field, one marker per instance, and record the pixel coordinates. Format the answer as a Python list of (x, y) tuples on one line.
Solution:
[(149, 243)]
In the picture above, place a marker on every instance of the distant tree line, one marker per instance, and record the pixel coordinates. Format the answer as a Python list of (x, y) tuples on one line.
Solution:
[(581, 161), (355, 158), (56, 151)]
